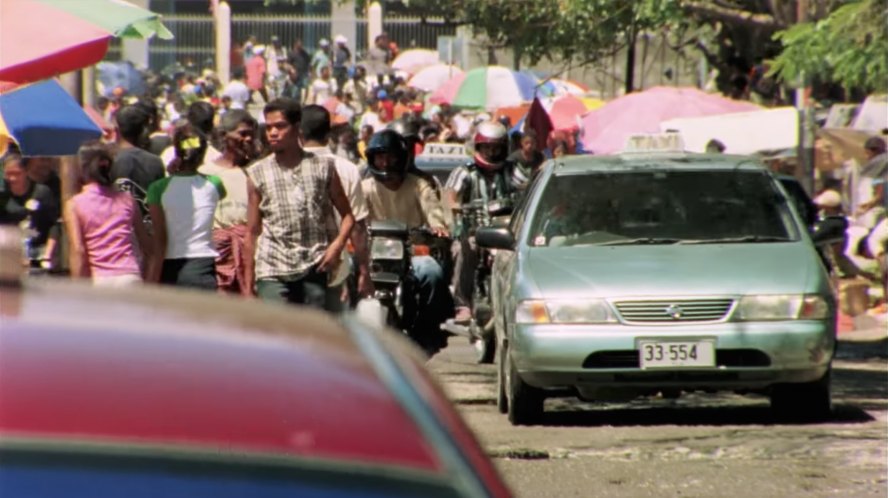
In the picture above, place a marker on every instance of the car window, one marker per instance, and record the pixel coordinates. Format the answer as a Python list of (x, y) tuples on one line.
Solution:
[(671, 206), (522, 208), (804, 205)]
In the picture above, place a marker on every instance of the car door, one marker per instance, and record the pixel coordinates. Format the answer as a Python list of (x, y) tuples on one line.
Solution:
[(505, 264)]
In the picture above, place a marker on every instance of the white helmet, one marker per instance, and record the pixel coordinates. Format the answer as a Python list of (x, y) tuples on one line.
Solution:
[(491, 133)]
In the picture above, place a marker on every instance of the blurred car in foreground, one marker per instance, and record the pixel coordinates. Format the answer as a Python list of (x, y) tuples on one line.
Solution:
[(661, 273), (158, 392)]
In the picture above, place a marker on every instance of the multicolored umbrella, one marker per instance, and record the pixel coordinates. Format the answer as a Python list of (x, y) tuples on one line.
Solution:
[(607, 128), (447, 92), (43, 120), (40, 39), (431, 78), (493, 87), (413, 60), (558, 86)]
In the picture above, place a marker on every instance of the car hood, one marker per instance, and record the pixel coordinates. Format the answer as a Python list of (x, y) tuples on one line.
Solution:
[(705, 269)]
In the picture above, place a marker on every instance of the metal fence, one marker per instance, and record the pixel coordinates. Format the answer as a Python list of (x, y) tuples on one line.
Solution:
[(194, 35)]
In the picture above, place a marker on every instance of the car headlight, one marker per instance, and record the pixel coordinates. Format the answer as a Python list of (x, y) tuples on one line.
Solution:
[(581, 311), (782, 307), (386, 249)]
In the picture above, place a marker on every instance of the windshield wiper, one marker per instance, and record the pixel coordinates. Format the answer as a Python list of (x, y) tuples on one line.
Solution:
[(739, 240), (639, 241)]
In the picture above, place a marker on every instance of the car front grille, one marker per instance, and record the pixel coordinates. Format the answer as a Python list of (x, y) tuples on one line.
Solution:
[(674, 310)]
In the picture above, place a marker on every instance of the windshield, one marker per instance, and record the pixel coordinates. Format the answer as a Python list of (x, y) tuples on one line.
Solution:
[(661, 207)]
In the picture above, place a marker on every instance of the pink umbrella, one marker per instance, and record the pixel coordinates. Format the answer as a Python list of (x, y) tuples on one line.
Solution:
[(411, 61), (607, 128), (431, 78), (447, 92)]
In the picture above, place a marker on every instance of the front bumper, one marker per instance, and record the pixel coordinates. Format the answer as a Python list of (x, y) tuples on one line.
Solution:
[(559, 356)]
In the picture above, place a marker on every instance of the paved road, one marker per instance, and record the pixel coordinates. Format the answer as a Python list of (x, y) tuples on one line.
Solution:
[(696, 446)]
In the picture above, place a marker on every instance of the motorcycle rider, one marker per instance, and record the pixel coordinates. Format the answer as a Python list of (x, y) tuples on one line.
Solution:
[(489, 177), (409, 130), (393, 193)]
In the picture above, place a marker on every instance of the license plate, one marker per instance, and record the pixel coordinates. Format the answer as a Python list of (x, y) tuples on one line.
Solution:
[(671, 354)]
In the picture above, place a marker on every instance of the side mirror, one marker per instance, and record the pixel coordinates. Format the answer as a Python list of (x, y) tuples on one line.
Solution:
[(829, 230), (495, 238)]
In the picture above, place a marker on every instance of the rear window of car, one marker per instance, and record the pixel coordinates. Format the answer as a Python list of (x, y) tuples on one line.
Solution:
[(696, 206)]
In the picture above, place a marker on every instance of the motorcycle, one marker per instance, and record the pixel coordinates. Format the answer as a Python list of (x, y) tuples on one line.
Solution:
[(480, 329), (392, 245)]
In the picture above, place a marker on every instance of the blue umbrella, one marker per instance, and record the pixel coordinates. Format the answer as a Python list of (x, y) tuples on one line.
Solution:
[(121, 74), (44, 120)]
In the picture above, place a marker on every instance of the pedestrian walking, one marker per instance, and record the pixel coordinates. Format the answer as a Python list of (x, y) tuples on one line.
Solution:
[(104, 226), (135, 169), (256, 72), (341, 60), (237, 132), (31, 206), (290, 248), (316, 130), (237, 90), (321, 58), (322, 88), (182, 208)]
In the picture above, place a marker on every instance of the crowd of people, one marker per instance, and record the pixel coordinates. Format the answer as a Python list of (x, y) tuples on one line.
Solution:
[(859, 194), (218, 201)]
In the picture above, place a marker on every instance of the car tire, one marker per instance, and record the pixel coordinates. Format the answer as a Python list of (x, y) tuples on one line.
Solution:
[(525, 404), (806, 402), (502, 400)]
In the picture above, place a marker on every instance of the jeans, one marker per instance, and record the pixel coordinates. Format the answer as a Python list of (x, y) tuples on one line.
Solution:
[(465, 263), (310, 290), (196, 273), (429, 304)]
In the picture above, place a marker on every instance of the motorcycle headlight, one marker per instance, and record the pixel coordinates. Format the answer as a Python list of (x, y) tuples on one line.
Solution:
[(782, 307), (386, 249), (568, 312)]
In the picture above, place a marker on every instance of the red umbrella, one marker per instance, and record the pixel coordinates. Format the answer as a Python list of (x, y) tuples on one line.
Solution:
[(564, 112), (40, 39)]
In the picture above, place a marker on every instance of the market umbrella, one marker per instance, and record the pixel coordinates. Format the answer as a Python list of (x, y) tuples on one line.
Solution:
[(565, 87), (607, 128), (40, 39), (43, 120), (411, 61), (565, 110), (515, 114), (447, 92), (431, 78), (493, 87)]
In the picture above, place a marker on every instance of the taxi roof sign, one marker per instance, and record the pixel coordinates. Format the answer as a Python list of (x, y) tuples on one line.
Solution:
[(655, 142), (444, 149)]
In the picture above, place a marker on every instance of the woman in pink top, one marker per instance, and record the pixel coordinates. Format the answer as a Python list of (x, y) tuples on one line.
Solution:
[(104, 226)]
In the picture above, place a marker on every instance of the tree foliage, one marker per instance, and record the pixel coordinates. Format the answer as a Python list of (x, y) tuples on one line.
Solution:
[(849, 47)]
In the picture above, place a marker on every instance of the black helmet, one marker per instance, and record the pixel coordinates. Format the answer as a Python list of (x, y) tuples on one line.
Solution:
[(407, 128), (387, 141)]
